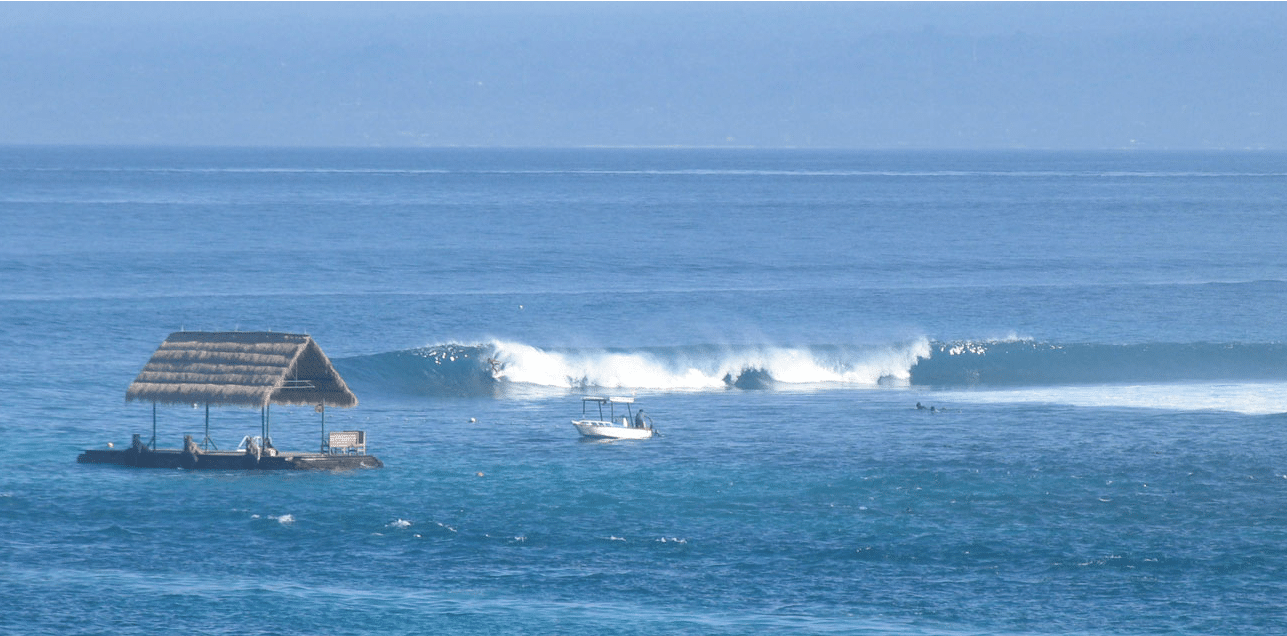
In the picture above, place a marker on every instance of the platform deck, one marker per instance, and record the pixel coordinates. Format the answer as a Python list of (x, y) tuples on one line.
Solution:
[(227, 460)]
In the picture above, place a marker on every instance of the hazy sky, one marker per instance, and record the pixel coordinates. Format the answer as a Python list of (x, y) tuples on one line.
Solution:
[(835, 75)]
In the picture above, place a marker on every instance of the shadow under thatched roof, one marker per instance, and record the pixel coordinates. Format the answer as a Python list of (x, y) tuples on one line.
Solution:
[(242, 368)]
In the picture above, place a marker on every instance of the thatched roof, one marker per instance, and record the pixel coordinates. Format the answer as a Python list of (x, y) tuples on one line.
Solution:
[(240, 368)]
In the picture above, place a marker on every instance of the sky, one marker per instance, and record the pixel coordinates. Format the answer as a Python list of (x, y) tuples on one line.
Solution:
[(1057, 75)]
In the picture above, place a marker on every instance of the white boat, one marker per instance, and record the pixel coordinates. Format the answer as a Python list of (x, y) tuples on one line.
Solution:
[(632, 425)]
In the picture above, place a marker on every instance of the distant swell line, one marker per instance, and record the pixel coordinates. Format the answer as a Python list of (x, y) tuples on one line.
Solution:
[(729, 172)]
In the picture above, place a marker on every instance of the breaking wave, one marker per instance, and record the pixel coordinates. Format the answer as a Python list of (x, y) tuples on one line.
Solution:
[(489, 369), (495, 368)]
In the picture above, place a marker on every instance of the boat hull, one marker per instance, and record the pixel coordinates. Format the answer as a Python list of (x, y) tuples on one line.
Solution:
[(605, 430)]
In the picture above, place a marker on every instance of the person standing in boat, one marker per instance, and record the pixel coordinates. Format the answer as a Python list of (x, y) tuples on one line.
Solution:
[(639, 419)]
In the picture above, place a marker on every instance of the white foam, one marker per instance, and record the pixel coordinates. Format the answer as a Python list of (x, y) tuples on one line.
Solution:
[(526, 364), (1255, 398), (706, 368)]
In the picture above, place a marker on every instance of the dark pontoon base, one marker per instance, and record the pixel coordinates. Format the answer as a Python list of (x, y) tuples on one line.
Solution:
[(227, 460)]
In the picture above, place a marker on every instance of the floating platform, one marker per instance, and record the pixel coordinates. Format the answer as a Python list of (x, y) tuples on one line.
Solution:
[(194, 458), (249, 369)]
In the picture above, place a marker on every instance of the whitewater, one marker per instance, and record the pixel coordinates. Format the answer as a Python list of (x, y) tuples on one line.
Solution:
[(898, 392)]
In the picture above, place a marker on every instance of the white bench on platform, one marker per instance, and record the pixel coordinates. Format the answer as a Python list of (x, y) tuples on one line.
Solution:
[(347, 442)]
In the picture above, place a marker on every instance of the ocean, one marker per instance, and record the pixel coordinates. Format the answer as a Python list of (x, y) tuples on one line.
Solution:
[(1096, 340)]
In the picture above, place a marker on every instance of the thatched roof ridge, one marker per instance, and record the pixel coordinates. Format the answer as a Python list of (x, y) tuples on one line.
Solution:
[(245, 368)]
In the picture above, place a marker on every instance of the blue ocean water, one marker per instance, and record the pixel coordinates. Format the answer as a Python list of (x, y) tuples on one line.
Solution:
[(1100, 335)]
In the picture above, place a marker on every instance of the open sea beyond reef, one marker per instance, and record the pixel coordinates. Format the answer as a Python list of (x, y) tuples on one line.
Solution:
[(1101, 337)]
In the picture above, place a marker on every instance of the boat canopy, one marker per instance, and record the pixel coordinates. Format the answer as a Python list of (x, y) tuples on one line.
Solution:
[(609, 400)]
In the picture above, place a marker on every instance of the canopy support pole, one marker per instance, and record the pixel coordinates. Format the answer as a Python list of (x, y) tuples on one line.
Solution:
[(321, 408), (152, 444), (207, 442)]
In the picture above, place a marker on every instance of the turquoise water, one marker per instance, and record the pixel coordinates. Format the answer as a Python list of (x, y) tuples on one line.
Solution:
[(1099, 334)]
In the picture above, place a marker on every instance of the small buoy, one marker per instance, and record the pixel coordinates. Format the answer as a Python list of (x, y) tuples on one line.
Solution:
[(472, 420), (479, 474), (109, 445)]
